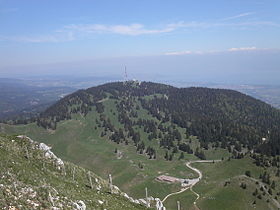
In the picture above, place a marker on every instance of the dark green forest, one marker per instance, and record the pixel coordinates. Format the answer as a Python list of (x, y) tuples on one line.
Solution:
[(224, 118)]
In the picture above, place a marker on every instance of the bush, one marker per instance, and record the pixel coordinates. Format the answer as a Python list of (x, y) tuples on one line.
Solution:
[(248, 173), (243, 186)]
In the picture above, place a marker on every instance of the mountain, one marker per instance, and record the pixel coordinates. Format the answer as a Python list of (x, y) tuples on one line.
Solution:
[(32, 177), (138, 131), (213, 115)]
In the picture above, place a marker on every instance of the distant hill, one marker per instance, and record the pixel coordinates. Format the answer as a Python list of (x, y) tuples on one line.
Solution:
[(213, 115), (267, 93), (32, 177), (19, 99)]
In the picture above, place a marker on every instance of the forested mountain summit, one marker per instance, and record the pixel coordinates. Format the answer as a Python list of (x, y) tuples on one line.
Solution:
[(225, 117)]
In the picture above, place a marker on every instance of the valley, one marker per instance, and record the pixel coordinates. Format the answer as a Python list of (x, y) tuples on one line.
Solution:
[(22, 99), (138, 142)]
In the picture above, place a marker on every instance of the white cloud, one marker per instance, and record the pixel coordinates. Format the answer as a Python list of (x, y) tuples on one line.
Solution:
[(243, 49), (132, 29), (179, 53), (239, 16), (188, 52), (136, 29), (74, 31), (235, 49)]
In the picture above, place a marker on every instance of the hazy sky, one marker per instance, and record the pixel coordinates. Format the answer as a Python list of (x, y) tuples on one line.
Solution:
[(206, 40)]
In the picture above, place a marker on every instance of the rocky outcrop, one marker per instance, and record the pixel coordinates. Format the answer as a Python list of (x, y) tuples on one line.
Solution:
[(47, 150), (33, 177), (80, 205)]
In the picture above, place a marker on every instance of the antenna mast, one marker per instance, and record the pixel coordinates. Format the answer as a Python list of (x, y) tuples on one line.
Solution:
[(125, 73)]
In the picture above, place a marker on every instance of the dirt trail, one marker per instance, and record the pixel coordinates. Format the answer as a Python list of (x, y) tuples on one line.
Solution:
[(194, 181), (199, 176)]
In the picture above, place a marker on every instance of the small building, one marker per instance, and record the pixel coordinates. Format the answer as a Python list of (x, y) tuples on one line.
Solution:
[(165, 178), (185, 181)]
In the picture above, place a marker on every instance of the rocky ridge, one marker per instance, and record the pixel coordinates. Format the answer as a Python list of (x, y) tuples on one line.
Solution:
[(33, 177)]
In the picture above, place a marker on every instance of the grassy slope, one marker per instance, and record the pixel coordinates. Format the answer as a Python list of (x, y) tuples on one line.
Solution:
[(99, 152), (78, 137), (214, 195), (78, 141), (95, 153), (28, 182), (186, 200)]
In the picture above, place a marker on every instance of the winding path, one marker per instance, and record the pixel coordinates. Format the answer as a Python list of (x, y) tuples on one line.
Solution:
[(175, 193), (194, 181)]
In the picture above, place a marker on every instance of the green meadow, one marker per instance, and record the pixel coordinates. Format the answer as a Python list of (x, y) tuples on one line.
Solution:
[(78, 141)]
